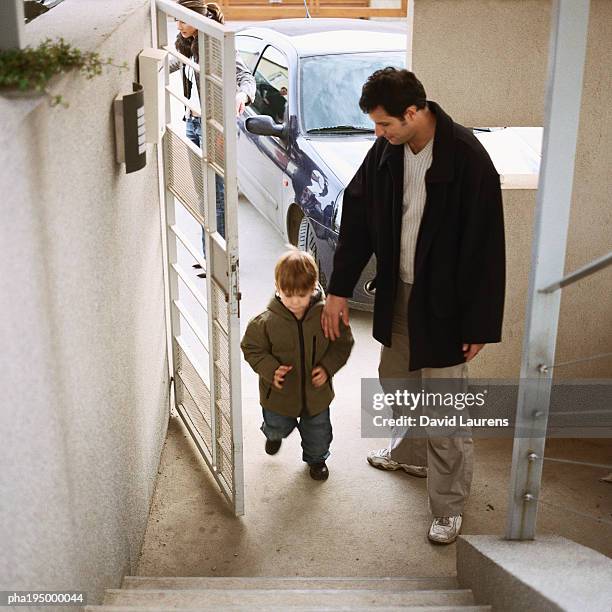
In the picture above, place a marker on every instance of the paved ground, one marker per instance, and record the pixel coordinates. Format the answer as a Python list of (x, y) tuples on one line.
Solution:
[(361, 522)]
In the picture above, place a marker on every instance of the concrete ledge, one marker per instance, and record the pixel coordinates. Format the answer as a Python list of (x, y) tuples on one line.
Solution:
[(84, 23), (547, 574)]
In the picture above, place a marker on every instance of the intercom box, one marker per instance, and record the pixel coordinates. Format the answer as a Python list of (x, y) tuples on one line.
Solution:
[(151, 68)]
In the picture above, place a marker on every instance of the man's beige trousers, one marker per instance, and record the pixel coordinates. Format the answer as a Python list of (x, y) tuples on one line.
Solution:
[(449, 459)]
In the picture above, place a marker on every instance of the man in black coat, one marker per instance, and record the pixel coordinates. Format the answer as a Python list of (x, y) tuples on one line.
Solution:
[(427, 202)]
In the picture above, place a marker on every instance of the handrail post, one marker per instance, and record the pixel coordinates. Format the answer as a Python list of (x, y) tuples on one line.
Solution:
[(562, 111)]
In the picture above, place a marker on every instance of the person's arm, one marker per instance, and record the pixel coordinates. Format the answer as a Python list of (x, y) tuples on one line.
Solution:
[(256, 349), (338, 352), (245, 82), (354, 247), (353, 251), (481, 265), (174, 64)]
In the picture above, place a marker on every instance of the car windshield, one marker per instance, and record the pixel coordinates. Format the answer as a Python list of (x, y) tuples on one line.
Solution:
[(331, 88)]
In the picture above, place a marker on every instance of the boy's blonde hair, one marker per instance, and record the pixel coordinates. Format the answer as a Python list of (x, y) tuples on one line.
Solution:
[(296, 272)]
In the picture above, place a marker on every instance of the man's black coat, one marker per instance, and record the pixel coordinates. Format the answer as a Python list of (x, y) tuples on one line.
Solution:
[(459, 269)]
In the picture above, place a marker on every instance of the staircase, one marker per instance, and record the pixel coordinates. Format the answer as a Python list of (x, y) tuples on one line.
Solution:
[(289, 594)]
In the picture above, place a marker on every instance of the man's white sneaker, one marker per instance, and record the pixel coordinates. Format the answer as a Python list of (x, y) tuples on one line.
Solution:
[(381, 459), (445, 529)]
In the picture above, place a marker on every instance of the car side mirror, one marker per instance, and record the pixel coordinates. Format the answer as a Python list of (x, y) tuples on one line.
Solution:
[(264, 125)]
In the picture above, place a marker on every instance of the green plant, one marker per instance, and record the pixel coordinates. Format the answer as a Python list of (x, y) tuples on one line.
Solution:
[(31, 68)]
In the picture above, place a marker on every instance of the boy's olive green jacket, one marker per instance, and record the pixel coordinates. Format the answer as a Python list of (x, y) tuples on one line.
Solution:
[(276, 337)]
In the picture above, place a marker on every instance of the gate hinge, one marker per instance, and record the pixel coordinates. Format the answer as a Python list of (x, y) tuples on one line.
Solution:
[(171, 395)]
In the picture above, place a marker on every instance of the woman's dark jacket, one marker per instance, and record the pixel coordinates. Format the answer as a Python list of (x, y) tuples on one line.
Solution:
[(459, 269)]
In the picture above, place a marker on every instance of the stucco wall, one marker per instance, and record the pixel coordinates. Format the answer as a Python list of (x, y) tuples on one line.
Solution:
[(485, 61), (585, 321), (84, 371), (503, 360)]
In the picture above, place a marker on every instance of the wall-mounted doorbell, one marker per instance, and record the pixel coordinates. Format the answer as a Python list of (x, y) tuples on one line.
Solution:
[(130, 138)]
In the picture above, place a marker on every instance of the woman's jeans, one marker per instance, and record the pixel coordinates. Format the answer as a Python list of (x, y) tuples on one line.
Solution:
[(193, 131), (315, 431)]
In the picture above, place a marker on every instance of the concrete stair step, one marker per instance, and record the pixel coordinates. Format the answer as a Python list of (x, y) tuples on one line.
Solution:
[(267, 582), (283, 608), (287, 598)]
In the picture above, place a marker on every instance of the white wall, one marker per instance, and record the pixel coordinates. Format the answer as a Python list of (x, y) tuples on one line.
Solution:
[(84, 394)]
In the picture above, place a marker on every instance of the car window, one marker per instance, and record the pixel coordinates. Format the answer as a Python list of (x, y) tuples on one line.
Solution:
[(249, 48), (331, 87), (272, 78)]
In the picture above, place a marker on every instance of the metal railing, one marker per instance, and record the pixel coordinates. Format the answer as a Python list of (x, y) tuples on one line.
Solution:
[(566, 65)]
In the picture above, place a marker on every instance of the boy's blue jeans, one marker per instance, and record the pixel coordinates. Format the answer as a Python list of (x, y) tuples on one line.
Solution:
[(316, 432), (193, 131)]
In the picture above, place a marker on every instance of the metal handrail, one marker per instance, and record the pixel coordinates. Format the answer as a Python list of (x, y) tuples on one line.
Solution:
[(182, 58), (596, 519), (561, 364), (568, 35), (597, 264), (585, 463)]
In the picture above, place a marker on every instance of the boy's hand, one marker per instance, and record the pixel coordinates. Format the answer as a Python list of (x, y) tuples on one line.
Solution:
[(279, 375), (319, 376)]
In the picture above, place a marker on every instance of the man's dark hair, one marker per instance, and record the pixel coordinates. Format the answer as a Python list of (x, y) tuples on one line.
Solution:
[(395, 90)]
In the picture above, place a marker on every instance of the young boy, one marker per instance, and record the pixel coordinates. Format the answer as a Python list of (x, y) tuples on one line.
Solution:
[(286, 346)]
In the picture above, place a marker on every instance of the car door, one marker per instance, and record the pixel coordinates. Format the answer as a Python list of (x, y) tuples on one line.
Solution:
[(264, 158), (249, 48)]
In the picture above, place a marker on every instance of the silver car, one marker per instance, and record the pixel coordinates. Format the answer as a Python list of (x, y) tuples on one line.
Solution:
[(304, 136)]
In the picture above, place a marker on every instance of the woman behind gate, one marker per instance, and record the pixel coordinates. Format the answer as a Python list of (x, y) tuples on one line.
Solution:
[(187, 44)]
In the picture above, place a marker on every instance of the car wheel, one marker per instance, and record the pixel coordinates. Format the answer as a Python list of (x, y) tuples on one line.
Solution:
[(307, 242)]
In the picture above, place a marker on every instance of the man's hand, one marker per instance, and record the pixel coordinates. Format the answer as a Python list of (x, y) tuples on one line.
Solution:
[(471, 350), (335, 308), (319, 376), (279, 375), (241, 100)]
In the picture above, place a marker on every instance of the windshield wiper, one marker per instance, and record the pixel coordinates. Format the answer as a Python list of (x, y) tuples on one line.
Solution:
[(341, 128)]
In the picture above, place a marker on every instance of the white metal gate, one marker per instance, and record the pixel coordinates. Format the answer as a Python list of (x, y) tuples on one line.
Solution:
[(205, 325)]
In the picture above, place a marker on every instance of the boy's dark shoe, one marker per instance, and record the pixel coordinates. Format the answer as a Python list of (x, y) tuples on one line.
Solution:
[(272, 446), (319, 471)]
